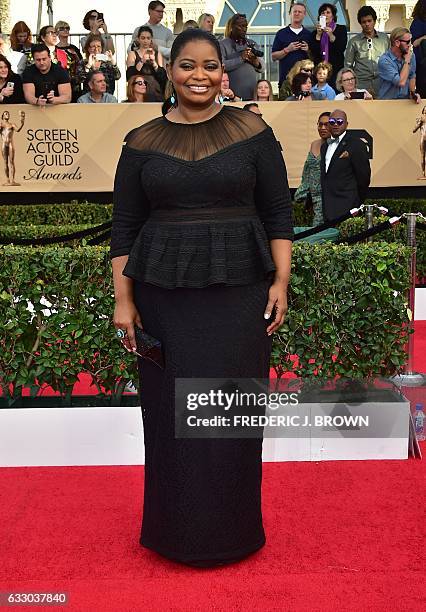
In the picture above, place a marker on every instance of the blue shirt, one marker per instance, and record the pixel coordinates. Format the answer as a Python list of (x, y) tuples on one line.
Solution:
[(390, 72), (107, 98), (326, 92), (282, 39)]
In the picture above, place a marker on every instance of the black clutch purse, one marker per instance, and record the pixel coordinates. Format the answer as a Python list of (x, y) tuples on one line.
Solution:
[(148, 347)]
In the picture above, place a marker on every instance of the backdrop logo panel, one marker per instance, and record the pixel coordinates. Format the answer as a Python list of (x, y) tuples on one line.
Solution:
[(53, 153), (75, 147)]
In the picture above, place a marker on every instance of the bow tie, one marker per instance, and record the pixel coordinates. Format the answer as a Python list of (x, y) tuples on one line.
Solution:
[(333, 140)]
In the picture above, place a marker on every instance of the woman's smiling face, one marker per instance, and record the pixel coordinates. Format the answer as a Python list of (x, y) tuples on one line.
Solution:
[(197, 73)]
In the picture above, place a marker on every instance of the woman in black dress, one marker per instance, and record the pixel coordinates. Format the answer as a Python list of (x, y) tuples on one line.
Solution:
[(329, 40), (200, 249)]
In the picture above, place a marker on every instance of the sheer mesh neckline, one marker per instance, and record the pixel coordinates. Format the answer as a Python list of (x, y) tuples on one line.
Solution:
[(197, 141), (194, 122)]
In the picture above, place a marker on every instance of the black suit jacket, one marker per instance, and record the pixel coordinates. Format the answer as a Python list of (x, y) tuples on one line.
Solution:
[(346, 183)]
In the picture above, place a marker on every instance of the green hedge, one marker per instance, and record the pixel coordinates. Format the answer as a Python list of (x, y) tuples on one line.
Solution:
[(398, 233), (88, 213), (347, 310), (82, 213), (304, 217), (41, 231)]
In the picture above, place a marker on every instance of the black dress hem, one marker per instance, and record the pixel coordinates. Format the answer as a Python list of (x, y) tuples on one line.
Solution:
[(213, 559)]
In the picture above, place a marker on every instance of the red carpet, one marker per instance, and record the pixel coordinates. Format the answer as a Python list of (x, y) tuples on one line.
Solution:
[(342, 536)]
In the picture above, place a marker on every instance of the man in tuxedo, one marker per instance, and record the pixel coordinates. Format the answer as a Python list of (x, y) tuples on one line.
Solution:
[(345, 169)]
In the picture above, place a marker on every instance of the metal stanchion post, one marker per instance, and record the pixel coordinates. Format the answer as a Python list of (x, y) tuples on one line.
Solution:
[(369, 219), (410, 378)]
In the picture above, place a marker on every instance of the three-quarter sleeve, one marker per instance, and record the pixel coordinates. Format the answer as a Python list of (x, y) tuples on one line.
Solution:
[(272, 194), (130, 203)]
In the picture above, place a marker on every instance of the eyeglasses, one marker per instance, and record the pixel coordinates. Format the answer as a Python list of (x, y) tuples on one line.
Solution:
[(337, 121), (139, 82), (348, 80)]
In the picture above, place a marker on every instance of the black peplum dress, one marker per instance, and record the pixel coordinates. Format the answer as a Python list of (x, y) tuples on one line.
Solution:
[(195, 206)]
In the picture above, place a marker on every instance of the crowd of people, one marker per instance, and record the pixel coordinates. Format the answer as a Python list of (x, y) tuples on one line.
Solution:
[(313, 65)]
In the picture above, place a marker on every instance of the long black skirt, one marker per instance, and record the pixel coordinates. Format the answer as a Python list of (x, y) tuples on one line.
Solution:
[(202, 497)]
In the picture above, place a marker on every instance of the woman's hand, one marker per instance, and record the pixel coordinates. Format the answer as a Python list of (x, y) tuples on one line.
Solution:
[(126, 316), (111, 58), (277, 300), (330, 34), (367, 95), (7, 91)]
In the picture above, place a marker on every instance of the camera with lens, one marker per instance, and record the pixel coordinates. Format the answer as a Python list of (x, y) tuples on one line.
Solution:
[(252, 46)]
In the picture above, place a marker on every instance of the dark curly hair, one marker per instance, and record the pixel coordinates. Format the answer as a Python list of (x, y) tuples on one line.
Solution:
[(366, 11), (332, 8), (299, 80), (86, 18)]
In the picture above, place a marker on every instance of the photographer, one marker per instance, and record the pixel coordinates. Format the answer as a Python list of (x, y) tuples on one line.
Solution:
[(301, 88), (94, 22), (144, 42), (145, 62), (44, 82), (241, 57), (10, 84), (97, 59), (162, 36), (329, 40), (397, 68), (346, 83), (291, 44)]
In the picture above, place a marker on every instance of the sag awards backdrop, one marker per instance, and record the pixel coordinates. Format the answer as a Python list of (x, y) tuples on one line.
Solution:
[(75, 148)]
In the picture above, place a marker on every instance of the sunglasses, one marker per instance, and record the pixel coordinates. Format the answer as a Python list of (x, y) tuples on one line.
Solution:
[(337, 121), (405, 41), (140, 82), (65, 28), (369, 43), (322, 123)]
